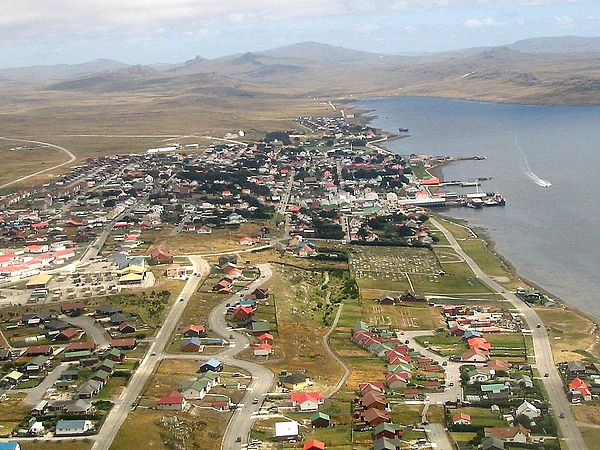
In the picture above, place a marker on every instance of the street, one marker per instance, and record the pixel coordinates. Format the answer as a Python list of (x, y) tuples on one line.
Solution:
[(124, 404), (541, 343)]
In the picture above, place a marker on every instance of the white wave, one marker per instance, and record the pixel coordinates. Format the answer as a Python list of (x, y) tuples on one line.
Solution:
[(532, 176)]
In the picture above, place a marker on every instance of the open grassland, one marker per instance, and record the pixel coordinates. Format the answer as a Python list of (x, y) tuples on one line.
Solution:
[(12, 412), (572, 336), (590, 436), (18, 163), (92, 124), (151, 429), (223, 239), (485, 257), (299, 300)]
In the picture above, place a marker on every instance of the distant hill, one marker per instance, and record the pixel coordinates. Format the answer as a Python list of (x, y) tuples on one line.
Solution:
[(323, 53), (546, 70), (562, 44), (58, 71)]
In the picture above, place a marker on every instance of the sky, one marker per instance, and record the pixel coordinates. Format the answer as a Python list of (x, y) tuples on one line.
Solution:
[(152, 31)]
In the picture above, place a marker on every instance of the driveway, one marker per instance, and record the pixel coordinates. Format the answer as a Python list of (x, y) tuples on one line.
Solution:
[(92, 329), (34, 395)]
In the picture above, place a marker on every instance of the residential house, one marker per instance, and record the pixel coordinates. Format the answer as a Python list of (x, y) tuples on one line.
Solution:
[(191, 345), (38, 350), (518, 434), (266, 338), (195, 390), (294, 381), (37, 364), (126, 328), (307, 401), (475, 355), (175, 401), (161, 256), (193, 330), (386, 444), (388, 430), (373, 417), (73, 427), (89, 389), (529, 410), (213, 365), (259, 328), (320, 420), (579, 390), (313, 444), (492, 443), (461, 419), (124, 343), (73, 309), (413, 297), (287, 431)]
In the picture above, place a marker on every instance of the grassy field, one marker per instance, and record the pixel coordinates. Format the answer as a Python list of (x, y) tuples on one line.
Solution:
[(15, 164), (12, 412), (590, 436), (219, 240), (482, 417), (298, 343), (151, 429), (405, 317), (572, 336)]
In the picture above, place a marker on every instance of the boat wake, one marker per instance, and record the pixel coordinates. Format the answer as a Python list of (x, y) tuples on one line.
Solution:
[(532, 176)]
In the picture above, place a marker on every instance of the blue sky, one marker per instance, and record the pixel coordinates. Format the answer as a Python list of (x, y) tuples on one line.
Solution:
[(146, 31)]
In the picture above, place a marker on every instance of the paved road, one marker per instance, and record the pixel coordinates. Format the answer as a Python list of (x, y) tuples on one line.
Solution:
[(437, 433), (92, 329), (35, 394), (262, 378), (71, 156), (452, 369), (541, 343), (123, 405), (288, 192)]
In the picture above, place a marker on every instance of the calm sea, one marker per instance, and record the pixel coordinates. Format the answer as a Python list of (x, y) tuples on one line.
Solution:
[(551, 235)]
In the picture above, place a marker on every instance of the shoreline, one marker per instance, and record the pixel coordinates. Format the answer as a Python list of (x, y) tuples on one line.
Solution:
[(350, 102), (483, 234)]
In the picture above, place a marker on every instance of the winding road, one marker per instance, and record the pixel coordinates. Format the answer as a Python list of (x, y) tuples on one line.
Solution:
[(262, 378), (541, 344), (148, 364), (71, 156)]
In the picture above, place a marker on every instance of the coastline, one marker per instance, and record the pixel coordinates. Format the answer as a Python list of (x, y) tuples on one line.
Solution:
[(366, 116), (515, 102)]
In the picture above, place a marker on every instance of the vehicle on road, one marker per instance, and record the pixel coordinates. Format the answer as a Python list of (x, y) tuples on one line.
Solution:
[(255, 401), (546, 375), (539, 325), (238, 439), (562, 415)]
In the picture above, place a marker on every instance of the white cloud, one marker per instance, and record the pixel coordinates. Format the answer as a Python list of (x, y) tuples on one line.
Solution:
[(565, 21), (481, 24), (35, 19)]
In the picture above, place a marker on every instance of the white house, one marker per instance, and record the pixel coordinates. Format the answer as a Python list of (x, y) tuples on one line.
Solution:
[(285, 431), (529, 410)]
